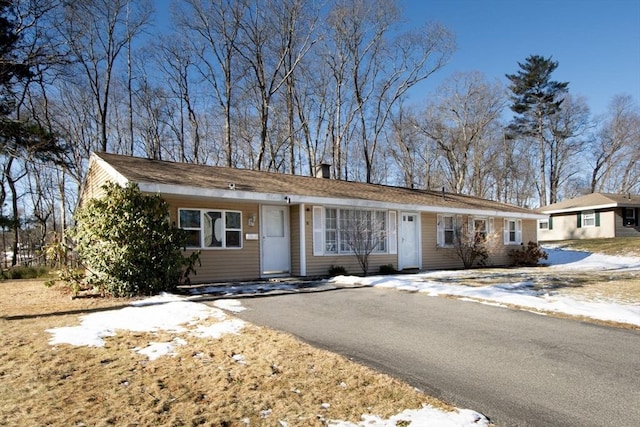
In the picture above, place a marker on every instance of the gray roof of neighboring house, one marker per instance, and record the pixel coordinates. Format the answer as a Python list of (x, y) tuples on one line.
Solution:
[(214, 181), (593, 201)]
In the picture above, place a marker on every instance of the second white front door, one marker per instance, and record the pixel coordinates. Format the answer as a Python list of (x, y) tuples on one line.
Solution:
[(409, 239), (274, 228)]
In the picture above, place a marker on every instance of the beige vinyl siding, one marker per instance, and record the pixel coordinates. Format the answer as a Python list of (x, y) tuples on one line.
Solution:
[(433, 257), (96, 177), (565, 227), (320, 265), (621, 229), (438, 258), (225, 264), (294, 221)]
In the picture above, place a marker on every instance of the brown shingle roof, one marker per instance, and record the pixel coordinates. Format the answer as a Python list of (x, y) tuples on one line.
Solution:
[(166, 173), (593, 200)]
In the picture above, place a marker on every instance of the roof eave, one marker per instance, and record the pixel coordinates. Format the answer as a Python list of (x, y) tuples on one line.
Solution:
[(579, 208), (282, 198)]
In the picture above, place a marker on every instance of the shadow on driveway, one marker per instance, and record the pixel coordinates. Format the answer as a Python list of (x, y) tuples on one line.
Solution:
[(257, 289)]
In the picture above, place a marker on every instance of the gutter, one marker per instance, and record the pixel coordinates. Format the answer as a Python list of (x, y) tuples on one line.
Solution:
[(279, 198)]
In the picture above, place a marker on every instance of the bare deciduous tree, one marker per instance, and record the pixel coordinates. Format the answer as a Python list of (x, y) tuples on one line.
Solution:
[(569, 127), (213, 29), (462, 123), (475, 242), (616, 149), (96, 32), (363, 232), (414, 154), (272, 43), (378, 68)]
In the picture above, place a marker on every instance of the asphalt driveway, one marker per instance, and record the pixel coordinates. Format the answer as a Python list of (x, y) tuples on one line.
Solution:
[(516, 367)]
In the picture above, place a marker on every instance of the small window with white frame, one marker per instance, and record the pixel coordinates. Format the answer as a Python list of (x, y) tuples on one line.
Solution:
[(588, 219), (446, 230), (480, 229), (543, 224), (449, 230), (512, 231)]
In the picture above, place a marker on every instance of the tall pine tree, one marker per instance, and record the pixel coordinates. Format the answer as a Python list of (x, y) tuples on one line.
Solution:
[(535, 100)]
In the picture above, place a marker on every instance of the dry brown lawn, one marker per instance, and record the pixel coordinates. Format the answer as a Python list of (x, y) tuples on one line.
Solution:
[(282, 379), (625, 246)]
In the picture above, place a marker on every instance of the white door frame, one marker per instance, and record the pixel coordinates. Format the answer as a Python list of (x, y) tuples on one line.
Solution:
[(284, 253), (403, 233)]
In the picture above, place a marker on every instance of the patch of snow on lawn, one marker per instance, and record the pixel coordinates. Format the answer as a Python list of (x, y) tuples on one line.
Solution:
[(425, 417), (566, 259), (231, 326), (158, 349), (232, 305), (160, 313)]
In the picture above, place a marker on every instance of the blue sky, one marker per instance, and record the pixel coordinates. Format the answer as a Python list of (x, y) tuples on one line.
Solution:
[(596, 42)]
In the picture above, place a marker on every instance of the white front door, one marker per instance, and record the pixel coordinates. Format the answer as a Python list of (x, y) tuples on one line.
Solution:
[(409, 237), (274, 227)]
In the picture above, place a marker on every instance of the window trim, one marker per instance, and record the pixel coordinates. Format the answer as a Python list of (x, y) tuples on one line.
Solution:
[(589, 215), (517, 231), (441, 229), (320, 230), (225, 229)]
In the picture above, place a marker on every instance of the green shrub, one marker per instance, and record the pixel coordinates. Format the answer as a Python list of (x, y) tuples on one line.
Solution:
[(528, 256), (127, 244), (337, 270), (388, 269)]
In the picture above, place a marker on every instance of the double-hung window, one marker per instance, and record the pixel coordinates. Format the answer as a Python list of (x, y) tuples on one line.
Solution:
[(449, 230), (588, 219), (446, 230), (512, 231), (480, 229), (211, 228), (331, 231)]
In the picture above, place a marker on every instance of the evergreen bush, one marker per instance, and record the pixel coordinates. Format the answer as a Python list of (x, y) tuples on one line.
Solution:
[(388, 269), (337, 270), (127, 244)]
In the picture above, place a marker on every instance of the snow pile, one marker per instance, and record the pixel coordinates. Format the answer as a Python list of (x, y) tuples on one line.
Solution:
[(425, 417), (520, 293), (164, 312)]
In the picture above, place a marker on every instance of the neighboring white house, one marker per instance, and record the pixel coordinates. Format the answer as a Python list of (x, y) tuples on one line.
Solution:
[(597, 215)]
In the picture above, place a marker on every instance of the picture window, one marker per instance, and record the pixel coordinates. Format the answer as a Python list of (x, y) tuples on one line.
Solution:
[(211, 229)]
